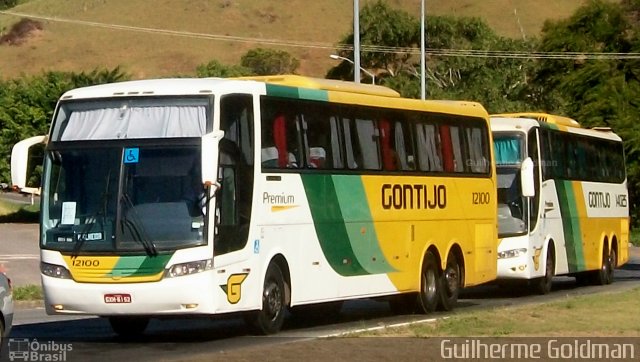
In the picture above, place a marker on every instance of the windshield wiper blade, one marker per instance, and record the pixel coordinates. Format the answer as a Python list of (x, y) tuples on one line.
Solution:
[(136, 229), (88, 225)]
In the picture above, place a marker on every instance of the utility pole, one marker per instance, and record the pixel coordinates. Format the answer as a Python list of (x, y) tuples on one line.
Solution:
[(356, 41), (423, 82)]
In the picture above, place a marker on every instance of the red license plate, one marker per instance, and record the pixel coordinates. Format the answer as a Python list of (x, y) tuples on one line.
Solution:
[(117, 298)]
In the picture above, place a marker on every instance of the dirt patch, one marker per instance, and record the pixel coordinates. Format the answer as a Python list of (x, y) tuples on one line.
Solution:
[(21, 31)]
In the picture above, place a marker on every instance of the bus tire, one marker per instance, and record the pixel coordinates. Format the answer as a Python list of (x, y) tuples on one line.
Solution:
[(269, 320), (543, 285), (428, 297), (450, 283), (129, 326), (604, 275)]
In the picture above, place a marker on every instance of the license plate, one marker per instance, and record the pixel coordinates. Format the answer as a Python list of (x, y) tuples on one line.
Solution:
[(117, 298)]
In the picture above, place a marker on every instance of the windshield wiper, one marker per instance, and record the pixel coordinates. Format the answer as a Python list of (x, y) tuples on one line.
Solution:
[(136, 229), (91, 220)]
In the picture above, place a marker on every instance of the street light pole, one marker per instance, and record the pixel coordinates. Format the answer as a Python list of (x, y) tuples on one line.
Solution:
[(336, 57), (356, 40), (423, 82)]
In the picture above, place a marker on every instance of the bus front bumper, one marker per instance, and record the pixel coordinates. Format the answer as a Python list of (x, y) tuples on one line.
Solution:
[(192, 294)]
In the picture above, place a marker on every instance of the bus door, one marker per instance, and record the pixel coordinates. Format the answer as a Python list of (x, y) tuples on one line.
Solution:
[(235, 174)]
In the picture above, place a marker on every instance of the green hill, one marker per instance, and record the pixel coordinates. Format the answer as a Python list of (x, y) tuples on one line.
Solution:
[(157, 38)]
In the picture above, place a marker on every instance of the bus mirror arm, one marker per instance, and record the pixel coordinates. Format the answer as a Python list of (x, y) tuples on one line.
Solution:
[(527, 178), (209, 157)]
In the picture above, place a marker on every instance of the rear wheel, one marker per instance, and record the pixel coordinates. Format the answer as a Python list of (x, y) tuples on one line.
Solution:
[(605, 274), (129, 326), (269, 320), (429, 284), (543, 285), (450, 283)]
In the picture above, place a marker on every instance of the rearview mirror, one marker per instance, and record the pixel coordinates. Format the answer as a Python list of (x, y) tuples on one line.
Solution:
[(527, 181), (210, 157), (20, 161)]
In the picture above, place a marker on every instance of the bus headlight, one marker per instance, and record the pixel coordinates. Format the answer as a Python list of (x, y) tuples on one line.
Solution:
[(513, 253), (53, 270), (191, 267)]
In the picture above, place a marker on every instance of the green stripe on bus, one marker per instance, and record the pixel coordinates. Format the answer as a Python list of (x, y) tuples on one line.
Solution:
[(281, 91), (330, 226), (360, 228), (343, 224), (298, 93), (135, 266), (571, 226)]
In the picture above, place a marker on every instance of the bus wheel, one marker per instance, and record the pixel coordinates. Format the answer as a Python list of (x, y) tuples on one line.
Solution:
[(450, 283), (429, 284), (605, 274), (269, 320), (543, 285), (128, 326)]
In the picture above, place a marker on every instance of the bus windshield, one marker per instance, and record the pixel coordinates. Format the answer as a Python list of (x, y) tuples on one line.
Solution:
[(509, 153), (123, 175), (117, 198)]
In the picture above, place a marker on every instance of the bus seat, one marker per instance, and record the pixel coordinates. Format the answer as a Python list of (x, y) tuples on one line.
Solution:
[(317, 157)]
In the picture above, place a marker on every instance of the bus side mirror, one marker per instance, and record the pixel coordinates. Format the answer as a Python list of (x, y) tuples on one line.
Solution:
[(210, 158), (20, 161), (527, 183)]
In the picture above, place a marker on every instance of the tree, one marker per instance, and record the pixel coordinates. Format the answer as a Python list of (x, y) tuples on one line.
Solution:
[(597, 92), (380, 25), (269, 61), (27, 104), (216, 69)]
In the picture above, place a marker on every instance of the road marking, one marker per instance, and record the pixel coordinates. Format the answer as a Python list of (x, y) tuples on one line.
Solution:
[(370, 329), (7, 257)]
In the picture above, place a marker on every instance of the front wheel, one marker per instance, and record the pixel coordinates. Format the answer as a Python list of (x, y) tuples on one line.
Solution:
[(269, 320), (543, 284), (429, 284), (129, 326)]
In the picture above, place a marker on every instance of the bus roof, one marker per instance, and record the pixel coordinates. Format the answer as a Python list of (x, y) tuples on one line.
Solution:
[(542, 117), (325, 84)]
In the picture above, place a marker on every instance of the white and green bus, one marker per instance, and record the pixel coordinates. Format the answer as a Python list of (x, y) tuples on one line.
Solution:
[(209, 196), (563, 205)]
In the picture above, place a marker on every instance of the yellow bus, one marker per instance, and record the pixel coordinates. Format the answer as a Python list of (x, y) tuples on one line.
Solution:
[(208, 196), (563, 205)]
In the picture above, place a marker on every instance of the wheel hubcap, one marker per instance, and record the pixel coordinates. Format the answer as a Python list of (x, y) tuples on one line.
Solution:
[(273, 301)]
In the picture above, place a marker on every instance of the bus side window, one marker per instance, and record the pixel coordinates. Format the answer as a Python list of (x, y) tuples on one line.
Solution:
[(389, 156), (430, 157), (317, 133), (447, 148), (404, 147)]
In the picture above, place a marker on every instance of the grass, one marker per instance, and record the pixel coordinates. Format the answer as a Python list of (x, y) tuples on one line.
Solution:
[(634, 237), (608, 314), (27, 293), (17, 213), (77, 47)]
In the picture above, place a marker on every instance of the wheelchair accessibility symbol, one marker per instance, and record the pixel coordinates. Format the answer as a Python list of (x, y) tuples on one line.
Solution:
[(131, 155)]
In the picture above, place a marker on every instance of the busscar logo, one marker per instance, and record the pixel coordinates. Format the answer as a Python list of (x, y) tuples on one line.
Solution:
[(25, 349)]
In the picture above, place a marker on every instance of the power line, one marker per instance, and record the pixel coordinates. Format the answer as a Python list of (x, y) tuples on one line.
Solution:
[(471, 53)]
